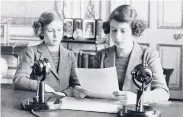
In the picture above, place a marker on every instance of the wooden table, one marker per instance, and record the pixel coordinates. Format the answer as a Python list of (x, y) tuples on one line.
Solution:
[(11, 100)]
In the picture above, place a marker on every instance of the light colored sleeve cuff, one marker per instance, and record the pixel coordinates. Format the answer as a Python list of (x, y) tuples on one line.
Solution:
[(68, 92), (23, 83), (156, 96)]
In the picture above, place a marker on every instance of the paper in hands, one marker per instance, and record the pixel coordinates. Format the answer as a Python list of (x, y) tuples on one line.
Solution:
[(100, 83)]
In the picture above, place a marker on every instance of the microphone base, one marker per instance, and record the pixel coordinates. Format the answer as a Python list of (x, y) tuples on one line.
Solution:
[(129, 111), (51, 105)]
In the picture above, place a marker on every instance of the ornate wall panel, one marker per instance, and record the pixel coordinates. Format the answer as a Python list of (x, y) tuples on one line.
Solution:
[(170, 14), (171, 57)]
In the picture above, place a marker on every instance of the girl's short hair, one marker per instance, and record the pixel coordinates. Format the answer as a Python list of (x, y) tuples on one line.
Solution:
[(126, 13), (45, 18)]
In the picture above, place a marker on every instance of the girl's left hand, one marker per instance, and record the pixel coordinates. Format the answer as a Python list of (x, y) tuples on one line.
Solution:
[(58, 95), (125, 97)]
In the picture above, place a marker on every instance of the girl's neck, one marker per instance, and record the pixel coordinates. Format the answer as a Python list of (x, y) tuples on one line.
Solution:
[(124, 51), (53, 48)]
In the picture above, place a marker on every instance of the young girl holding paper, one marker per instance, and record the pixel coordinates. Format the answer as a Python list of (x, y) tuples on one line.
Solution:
[(123, 26)]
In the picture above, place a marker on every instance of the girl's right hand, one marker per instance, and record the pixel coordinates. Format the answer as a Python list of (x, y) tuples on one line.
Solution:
[(79, 92)]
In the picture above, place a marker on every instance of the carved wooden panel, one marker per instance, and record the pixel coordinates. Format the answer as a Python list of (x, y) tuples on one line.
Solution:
[(171, 57), (170, 14)]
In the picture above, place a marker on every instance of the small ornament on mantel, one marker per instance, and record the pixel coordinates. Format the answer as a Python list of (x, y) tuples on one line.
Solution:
[(90, 13), (59, 6)]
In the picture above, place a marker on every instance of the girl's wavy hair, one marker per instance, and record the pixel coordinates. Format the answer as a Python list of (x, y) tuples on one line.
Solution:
[(126, 13), (45, 18)]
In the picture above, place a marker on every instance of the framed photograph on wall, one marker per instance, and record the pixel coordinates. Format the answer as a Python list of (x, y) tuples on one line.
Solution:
[(89, 29), (68, 28), (99, 28), (78, 29), (2, 31), (100, 32)]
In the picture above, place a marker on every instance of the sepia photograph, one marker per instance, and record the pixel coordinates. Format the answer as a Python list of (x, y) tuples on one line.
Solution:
[(89, 29), (99, 30), (2, 31), (78, 29), (68, 28)]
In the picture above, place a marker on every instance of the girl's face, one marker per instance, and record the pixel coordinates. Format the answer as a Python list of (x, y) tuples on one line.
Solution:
[(121, 33), (53, 33)]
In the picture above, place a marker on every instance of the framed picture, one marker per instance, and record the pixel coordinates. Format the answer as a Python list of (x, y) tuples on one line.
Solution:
[(99, 28), (89, 29), (2, 31), (68, 28), (99, 32), (78, 29)]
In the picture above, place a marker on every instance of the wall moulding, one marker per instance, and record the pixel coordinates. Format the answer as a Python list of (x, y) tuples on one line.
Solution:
[(20, 15), (173, 53), (170, 15)]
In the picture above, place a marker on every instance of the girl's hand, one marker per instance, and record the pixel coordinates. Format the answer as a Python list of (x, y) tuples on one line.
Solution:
[(79, 92)]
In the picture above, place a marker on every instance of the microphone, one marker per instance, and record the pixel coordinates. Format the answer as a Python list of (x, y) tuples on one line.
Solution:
[(40, 68), (142, 74), (142, 77)]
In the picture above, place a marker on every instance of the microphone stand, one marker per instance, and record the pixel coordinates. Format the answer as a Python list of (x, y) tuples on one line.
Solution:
[(140, 74), (38, 102), (139, 100)]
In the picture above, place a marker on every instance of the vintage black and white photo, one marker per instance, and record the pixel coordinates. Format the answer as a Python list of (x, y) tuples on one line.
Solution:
[(88, 28), (78, 29), (91, 58), (68, 28)]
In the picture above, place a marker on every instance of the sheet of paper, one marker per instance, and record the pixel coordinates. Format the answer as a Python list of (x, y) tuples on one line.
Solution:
[(95, 105), (100, 83)]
